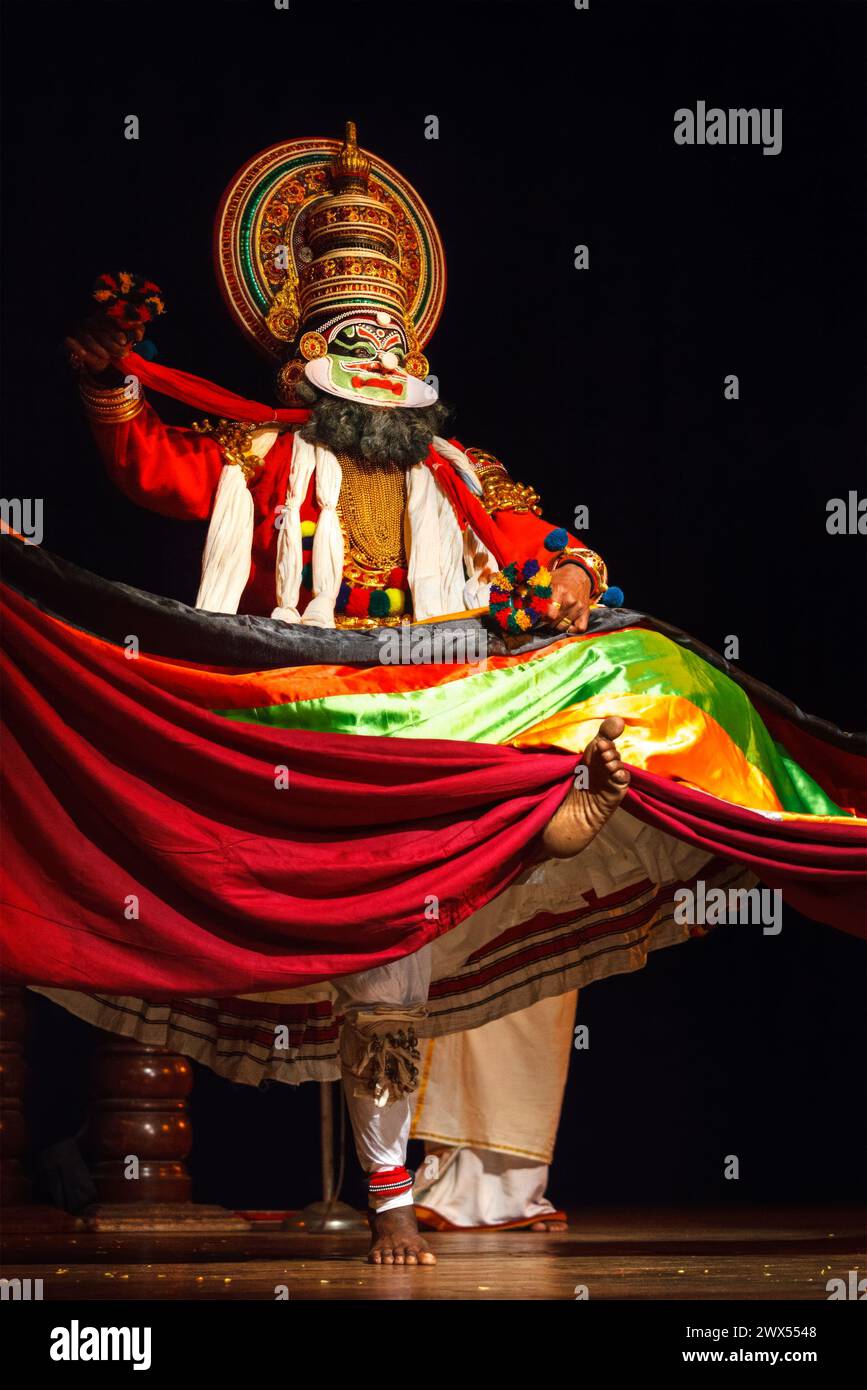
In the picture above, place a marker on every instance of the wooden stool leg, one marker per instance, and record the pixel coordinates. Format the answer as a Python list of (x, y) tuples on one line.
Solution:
[(139, 1133), (139, 1138), (15, 1185), (20, 1214)]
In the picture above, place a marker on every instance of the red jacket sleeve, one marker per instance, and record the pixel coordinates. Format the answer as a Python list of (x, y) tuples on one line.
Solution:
[(526, 535), (165, 468)]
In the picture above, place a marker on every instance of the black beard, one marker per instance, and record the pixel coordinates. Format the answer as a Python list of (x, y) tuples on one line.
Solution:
[(378, 433)]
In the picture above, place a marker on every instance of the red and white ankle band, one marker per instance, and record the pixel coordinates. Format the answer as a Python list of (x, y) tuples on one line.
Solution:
[(389, 1188)]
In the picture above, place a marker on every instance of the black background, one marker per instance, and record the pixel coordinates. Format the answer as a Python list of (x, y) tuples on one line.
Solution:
[(602, 387)]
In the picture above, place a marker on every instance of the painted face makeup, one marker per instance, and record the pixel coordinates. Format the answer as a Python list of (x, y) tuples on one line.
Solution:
[(368, 379), (364, 363)]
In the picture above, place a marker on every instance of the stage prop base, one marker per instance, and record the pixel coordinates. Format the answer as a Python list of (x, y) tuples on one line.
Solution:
[(169, 1218), (326, 1218)]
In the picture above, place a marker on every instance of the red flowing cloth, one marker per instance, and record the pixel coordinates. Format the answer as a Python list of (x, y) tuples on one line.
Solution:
[(203, 394), (152, 849), (821, 869)]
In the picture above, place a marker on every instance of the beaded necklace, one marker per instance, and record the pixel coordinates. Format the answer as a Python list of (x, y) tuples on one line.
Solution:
[(372, 511)]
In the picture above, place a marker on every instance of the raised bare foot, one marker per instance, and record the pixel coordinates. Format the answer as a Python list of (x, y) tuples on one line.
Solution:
[(585, 810), (395, 1239)]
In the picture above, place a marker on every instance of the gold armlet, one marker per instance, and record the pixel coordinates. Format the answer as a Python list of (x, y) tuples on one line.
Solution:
[(112, 405), (499, 492), (589, 561), (234, 439)]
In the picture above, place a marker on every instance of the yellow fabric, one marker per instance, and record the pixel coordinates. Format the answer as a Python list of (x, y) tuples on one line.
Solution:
[(668, 736)]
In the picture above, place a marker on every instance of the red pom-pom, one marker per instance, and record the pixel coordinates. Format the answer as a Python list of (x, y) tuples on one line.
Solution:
[(358, 604)]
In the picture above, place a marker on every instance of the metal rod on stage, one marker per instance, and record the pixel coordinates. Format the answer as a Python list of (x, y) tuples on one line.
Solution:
[(326, 1138), (329, 1216)]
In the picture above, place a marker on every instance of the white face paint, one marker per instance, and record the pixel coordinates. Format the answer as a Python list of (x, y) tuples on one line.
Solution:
[(335, 376)]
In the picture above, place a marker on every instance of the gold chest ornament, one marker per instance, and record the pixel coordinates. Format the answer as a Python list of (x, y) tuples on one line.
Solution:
[(372, 514)]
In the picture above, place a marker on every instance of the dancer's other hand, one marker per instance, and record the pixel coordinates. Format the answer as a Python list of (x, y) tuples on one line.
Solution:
[(569, 608)]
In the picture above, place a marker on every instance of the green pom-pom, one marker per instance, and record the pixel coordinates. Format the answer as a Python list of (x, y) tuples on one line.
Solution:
[(379, 604)]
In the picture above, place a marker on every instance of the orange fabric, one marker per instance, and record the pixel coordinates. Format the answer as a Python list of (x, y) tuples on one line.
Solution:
[(212, 688)]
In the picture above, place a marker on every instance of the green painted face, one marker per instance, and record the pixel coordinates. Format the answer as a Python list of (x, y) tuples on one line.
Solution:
[(367, 340), (364, 363), (367, 379)]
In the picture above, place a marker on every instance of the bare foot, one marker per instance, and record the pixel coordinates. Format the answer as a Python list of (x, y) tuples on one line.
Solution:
[(395, 1239), (548, 1226), (585, 810)]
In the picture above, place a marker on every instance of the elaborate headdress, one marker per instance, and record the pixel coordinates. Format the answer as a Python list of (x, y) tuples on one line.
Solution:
[(327, 257)]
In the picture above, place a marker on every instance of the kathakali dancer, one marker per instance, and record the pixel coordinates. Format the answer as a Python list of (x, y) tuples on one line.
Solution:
[(410, 773)]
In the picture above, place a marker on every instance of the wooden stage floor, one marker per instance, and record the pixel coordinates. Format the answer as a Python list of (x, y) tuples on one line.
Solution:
[(617, 1254)]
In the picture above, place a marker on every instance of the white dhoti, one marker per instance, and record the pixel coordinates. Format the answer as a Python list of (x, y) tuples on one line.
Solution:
[(489, 1103)]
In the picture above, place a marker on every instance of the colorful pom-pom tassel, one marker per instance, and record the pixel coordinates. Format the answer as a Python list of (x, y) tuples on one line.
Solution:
[(557, 539), (519, 596), (358, 603), (396, 601), (613, 597), (379, 604)]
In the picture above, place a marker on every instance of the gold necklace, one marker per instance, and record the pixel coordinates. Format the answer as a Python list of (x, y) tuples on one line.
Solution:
[(371, 509)]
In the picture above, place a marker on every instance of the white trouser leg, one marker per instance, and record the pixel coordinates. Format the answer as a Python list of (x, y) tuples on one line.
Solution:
[(381, 1132)]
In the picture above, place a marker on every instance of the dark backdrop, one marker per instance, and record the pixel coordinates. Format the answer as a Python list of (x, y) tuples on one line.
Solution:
[(603, 387)]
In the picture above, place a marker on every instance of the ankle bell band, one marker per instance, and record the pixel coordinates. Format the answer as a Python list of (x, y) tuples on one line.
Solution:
[(391, 1182)]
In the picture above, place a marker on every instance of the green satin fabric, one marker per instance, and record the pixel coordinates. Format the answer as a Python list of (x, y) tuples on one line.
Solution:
[(494, 706), (807, 788)]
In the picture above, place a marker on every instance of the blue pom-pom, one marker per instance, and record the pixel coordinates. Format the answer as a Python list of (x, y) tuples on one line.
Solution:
[(531, 567), (342, 596), (147, 349), (613, 597), (557, 539)]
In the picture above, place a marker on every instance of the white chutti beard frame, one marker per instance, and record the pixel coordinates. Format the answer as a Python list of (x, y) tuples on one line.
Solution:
[(418, 393)]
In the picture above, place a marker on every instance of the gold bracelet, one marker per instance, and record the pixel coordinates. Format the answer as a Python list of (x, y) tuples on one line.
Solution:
[(589, 561), (112, 405)]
